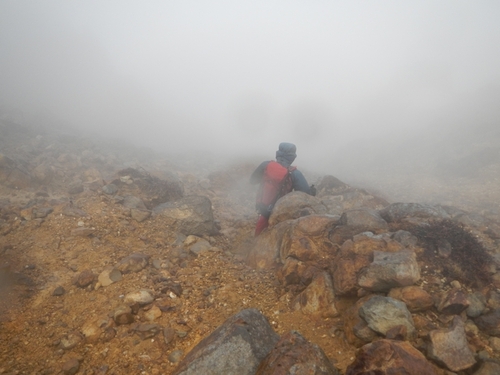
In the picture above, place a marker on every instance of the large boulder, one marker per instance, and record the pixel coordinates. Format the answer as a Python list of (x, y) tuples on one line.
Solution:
[(415, 298), (265, 249), (302, 239), (308, 238), (349, 199), (449, 347), (388, 357), (364, 218), (398, 211), (384, 313), (330, 185), (293, 354), (390, 270), (295, 205), (318, 299), (236, 347), (153, 190), (190, 215), (357, 332), (490, 323), (354, 256), (356, 221)]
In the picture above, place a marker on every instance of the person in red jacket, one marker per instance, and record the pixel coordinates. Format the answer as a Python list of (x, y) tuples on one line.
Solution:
[(277, 178)]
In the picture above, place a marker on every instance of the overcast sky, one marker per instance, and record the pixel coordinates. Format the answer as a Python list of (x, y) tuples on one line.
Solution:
[(242, 76)]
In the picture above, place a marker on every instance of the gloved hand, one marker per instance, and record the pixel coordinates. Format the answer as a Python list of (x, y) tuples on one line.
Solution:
[(312, 188)]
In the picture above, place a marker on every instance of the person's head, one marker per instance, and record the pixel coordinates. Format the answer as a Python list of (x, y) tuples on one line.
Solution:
[(286, 153)]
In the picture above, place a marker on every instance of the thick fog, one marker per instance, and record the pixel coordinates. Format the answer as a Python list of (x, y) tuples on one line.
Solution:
[(354, 84)]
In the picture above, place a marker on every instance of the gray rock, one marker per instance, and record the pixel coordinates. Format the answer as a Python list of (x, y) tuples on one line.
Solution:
[(110, 189), (293, 354), (146, 330), (405, 238), (449, 347), (133, 202), (73, 211), (82, 232), (367, 219), (236, 347), (40, 213), (109, 276), (175, 356), (477, 304), (488, 367), (199, 246), (168, 335), (139, 215), (398, 211), (191, 215), (75, 187), (390, 270), (59, 291), (384, 313), (133, 263), (444, 249), (489, 323)]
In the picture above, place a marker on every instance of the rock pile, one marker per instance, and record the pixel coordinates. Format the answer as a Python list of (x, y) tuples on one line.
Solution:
[(109, 269)]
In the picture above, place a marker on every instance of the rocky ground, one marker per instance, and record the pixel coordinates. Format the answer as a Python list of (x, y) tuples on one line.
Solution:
[(61, 231)]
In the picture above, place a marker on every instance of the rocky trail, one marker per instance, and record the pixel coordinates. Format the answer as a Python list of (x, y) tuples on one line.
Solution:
[(116, 260)]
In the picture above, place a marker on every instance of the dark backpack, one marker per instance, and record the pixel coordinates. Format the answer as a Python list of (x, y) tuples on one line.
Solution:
[(276, 182)]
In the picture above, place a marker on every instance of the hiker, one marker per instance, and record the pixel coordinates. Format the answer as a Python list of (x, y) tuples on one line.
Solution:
[(276, 179)]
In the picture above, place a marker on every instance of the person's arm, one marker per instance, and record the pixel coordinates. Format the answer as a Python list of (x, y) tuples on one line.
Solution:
[(300, 182), (257, 175)]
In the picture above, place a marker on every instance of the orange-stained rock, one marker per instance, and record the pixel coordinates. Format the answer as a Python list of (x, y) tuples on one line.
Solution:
[(265, 251), (294, 205), (415, 298), (318, 299), (453, 302), (388, 357), (293, 354)]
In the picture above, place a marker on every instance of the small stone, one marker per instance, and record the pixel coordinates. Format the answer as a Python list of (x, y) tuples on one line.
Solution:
[(175, 356), (139, 215), (495, 343), (84, 279), (82, 232), (109, 276), (59, 291), (123, 315), (456, 284), (141, 297), (153, 313), (168, 335), (110, 189), (146, 331), (70, 341), (71, 366)]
